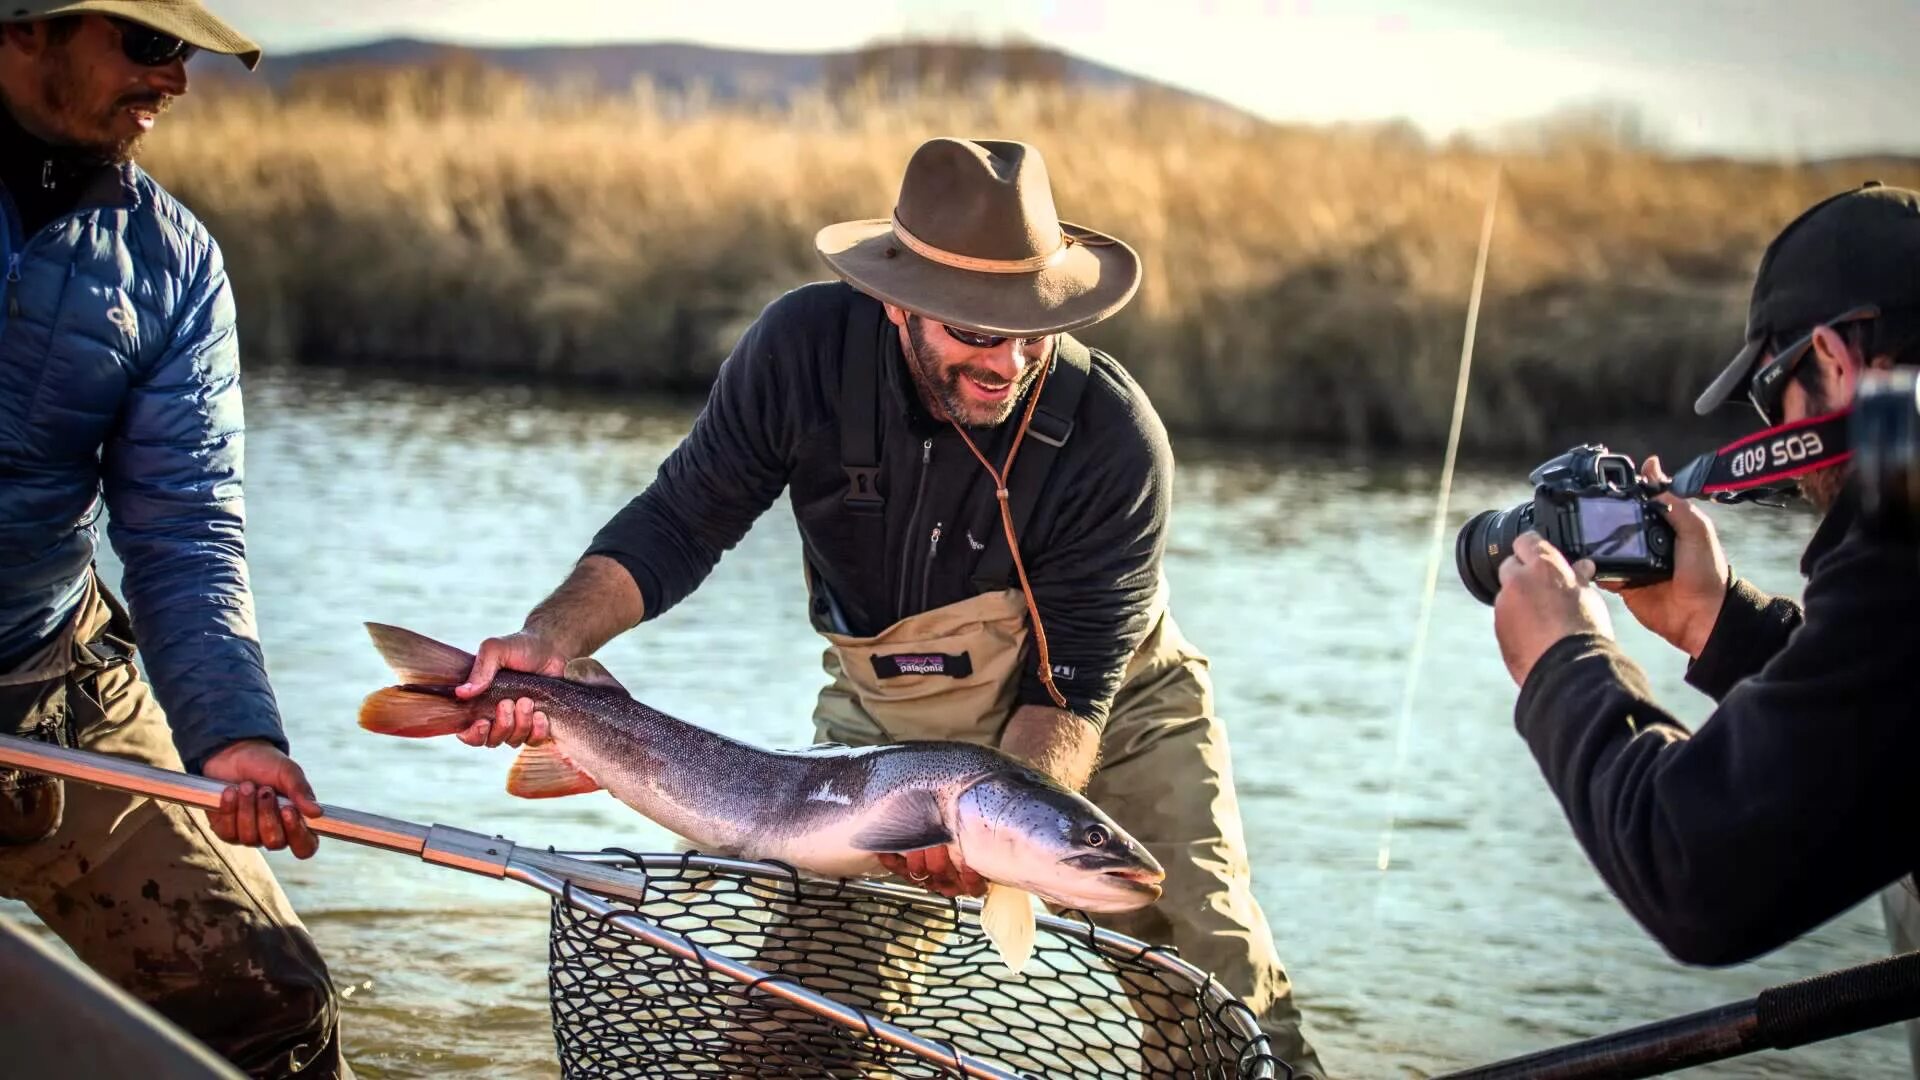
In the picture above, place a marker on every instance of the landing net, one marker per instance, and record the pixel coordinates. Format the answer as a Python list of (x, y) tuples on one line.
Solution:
[(1089, 1004)]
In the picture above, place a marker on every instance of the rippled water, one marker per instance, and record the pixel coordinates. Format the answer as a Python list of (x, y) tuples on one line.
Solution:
[(452, 509)]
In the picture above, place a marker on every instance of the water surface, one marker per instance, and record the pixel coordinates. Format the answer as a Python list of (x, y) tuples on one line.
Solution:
[(451, 510)]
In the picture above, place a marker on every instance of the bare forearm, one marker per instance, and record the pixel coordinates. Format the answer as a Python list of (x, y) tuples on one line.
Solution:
[(1054, 741), (597, 603)]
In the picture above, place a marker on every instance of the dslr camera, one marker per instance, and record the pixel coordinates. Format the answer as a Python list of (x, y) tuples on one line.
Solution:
[(1589, 503)]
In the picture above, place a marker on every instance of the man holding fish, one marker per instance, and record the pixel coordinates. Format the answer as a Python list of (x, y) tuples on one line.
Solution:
[(982, 503)]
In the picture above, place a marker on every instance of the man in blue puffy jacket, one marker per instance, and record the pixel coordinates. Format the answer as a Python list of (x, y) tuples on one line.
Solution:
[(119, 369)]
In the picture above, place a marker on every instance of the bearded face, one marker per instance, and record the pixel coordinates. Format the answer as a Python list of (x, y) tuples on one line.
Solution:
[(973, 387), (91, 97)]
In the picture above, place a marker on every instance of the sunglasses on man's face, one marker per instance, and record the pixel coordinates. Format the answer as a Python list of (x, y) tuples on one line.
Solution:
[(149, 47), (986, 341), (1768, 388)]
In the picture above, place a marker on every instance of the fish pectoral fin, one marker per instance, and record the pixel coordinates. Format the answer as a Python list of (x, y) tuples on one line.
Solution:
[(907, 822), (1006, 917), (590, 672), (543, 772)]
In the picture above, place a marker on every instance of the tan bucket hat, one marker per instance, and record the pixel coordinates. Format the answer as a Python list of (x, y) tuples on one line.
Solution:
[(188, 20), (975, 242)]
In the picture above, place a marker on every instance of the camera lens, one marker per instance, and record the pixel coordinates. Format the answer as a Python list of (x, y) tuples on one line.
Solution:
[(1886, 440), (1484, 543)]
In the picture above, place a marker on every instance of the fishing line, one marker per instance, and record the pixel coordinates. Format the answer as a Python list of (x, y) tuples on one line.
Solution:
[(1438, 543)]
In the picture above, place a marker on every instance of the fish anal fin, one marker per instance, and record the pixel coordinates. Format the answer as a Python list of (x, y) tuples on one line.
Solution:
[(543, 772), (907, 822), (418, 658), (1006, 917), (590, 672)]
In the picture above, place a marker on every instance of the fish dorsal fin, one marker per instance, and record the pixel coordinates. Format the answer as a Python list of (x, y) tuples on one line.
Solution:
[(543, 772), (417, 658), (909, 821), (1006, 917), (590, 672)]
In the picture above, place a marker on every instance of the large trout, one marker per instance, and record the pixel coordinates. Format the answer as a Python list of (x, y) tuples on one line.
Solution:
[(829, 810)]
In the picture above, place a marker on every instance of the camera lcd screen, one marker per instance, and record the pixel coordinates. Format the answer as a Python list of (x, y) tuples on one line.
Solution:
[(1611, 528)]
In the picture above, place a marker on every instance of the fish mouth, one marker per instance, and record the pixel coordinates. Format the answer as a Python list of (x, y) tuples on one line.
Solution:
[(1141, 881), (1115, 891)]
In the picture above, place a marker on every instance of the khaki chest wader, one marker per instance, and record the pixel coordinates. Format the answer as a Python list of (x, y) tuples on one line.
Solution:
[(1165, 772), (51, 697)]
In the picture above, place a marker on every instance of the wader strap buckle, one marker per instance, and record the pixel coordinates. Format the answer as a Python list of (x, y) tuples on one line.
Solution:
[(863, 489), (1050, 427)]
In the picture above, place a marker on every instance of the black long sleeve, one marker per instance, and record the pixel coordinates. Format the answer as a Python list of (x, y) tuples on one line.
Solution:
[(1092, 549), (1794, 801)]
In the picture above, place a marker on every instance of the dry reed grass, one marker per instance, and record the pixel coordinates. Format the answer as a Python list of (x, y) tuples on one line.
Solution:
[(1301, 284)]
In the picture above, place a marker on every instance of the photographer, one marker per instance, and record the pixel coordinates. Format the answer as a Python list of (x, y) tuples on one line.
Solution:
[(1792, 802)]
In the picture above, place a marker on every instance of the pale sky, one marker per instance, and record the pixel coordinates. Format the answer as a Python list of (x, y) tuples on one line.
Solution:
[(1779, 78)]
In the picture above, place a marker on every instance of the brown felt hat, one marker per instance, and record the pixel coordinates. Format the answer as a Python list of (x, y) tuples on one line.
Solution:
[(188, 20), (975, 242)]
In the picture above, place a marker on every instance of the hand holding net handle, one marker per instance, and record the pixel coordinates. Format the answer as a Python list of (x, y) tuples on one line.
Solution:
[(166, 785)]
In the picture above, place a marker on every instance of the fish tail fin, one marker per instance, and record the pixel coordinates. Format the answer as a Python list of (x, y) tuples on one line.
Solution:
[(414, 714), (1006, 917), (543, 772), (417, 658)]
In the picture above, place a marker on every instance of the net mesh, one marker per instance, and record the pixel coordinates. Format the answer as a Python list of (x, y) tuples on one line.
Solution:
[(1088, 1004)]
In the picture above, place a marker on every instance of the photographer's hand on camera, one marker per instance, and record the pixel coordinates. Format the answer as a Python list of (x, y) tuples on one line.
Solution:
[(1683, 608), (1542, 602)]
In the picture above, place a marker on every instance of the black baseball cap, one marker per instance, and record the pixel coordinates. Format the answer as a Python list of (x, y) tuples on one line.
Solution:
[(1858, 249)]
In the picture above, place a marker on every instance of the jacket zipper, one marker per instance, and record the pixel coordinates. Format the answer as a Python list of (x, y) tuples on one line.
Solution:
[(906, 552), (926, 572), (16, 247)]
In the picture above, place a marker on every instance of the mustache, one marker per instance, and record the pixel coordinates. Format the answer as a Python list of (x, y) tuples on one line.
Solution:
[(157, 103)]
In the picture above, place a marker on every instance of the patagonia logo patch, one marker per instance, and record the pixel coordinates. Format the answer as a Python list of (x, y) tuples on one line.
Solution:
[(1063, 672), (898, 664)]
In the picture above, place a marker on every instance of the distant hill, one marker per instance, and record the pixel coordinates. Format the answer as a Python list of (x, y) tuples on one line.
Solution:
[(731, 75)]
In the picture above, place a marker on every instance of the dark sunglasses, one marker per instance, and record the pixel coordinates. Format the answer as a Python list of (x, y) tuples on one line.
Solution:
[(1769, 384), (985, 341), (149, 47)]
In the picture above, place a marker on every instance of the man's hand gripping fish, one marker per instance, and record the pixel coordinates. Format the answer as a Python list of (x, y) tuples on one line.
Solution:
[(829, 810)]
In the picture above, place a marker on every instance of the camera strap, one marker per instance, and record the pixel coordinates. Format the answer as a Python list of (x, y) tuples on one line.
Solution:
[(1762, 464)]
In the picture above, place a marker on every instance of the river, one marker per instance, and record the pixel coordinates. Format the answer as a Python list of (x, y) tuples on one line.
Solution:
[(451, 509)]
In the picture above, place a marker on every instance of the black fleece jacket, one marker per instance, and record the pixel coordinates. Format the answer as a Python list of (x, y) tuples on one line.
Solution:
[(1794, 801), (1092, 550)]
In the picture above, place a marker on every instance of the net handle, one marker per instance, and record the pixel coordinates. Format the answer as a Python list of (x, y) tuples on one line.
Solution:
[(119, 774)]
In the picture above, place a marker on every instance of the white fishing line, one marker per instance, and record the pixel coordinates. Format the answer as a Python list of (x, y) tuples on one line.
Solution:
[(1438, 543)]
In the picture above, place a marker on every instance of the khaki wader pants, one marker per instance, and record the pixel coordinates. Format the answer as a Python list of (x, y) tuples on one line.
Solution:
[(1165, 775), (144, 893), (1900, 903)]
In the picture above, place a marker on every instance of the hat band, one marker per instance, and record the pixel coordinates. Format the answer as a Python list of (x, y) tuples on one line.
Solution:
[(968, 262)]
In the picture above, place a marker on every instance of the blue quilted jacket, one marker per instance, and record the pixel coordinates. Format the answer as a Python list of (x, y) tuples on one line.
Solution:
[(119, 383)]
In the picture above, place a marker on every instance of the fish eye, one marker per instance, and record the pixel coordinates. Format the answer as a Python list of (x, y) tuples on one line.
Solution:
[(1096, 836)]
